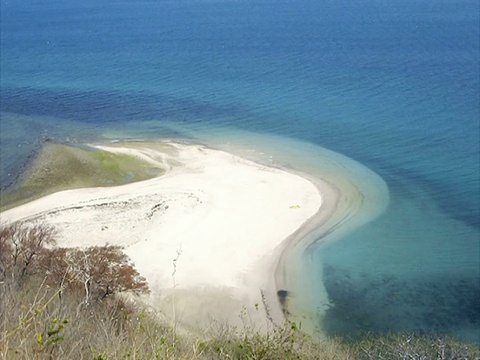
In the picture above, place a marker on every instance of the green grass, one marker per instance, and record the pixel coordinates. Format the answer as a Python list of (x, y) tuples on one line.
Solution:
[(59, 167)]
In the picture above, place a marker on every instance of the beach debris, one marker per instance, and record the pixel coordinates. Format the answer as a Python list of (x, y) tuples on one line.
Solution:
[(282, 298)]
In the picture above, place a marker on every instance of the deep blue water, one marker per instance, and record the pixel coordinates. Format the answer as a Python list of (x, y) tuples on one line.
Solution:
[(393, 85)]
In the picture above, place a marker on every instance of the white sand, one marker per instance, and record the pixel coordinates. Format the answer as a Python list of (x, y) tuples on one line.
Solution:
[(226, 219)]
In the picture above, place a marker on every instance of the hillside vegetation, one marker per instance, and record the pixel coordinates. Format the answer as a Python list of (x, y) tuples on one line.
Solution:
[(58, 303)]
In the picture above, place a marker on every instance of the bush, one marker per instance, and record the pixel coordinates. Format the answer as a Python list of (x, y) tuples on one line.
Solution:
[(412, 346), (21, 248), (90, 321), (99, 271), (35, 323), (42, 290)]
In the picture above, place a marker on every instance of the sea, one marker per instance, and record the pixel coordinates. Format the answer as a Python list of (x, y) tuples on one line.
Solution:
[(392, 85)]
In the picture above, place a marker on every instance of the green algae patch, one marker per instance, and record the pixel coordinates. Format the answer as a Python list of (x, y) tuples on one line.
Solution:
[(60, 167)]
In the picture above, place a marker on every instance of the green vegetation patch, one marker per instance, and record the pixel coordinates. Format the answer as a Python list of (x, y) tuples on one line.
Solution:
[(60, 167)]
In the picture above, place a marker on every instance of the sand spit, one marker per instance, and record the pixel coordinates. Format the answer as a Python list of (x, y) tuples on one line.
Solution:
[(210, 231)]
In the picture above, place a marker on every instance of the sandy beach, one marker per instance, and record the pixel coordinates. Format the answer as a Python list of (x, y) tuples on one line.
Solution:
[(208, 234)]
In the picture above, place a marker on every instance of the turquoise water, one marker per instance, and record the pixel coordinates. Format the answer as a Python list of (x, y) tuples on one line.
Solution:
[(392, 86)]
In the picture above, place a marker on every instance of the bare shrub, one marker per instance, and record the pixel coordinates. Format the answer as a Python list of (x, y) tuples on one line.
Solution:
[(21, 247), (414, 346), (99, 271), (37, 323)]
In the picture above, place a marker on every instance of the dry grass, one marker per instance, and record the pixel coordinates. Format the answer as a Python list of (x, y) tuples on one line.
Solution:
[(60, 319), (411, 346), (37, 323)]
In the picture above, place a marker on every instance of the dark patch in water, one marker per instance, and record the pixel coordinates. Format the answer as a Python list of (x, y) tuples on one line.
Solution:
[(103, 108), (405, 182), (462, 201), (459, 207), (107, 107), (436, 305)]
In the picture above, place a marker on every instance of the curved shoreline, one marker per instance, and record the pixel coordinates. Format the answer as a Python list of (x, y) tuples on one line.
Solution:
[(352, 194), (279, 269), (218, 195), (305, 303)]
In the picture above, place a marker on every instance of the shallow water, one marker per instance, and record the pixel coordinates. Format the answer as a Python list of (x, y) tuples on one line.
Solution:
[(393, 86)]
